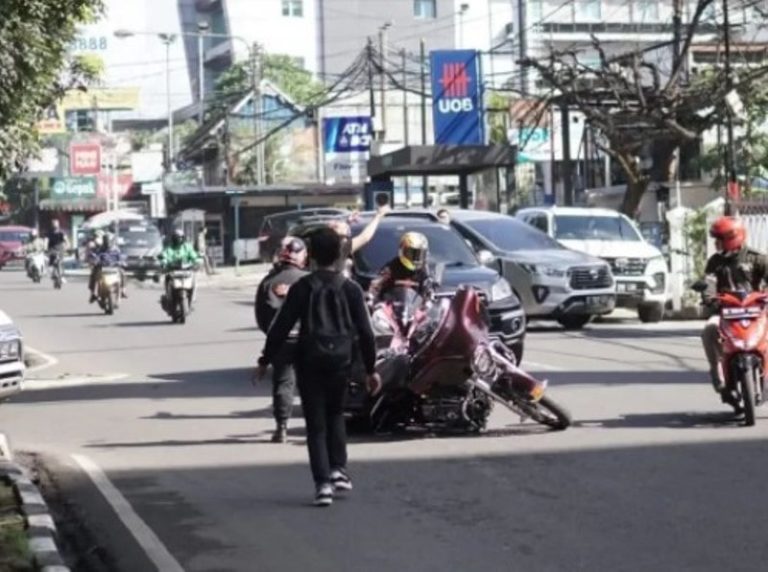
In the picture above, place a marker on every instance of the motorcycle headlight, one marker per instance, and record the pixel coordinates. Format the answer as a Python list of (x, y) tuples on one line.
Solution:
[(543, 270), (500, 290), (483, 364)]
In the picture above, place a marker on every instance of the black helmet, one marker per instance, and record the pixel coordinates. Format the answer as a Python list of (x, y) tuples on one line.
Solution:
[(177, 238)]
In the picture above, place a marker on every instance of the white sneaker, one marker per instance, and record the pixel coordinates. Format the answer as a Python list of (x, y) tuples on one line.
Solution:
[(324, 495), (341, 481)]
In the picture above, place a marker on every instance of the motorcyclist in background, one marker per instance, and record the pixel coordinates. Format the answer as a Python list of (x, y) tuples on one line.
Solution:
[(177, 253), (35, 245), (57, 244), (409, 265), (104, 254), (734, 267)]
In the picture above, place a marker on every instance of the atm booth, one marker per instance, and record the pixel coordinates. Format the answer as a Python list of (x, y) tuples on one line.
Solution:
[(191, 221)]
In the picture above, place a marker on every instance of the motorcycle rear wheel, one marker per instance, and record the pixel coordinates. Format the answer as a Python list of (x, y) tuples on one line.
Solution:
[(547, 412), (109, 308), (747, 389), (182, 308)]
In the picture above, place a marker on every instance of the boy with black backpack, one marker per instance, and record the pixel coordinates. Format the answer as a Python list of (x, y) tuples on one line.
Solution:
[(334, 324)]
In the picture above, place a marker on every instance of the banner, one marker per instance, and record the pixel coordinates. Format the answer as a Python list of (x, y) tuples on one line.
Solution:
[(73, 188), (347, 143), (102, 98), (85, 158), (457, 97)]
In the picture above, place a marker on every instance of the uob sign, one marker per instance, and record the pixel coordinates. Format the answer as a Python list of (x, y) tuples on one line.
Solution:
[(457, 95)]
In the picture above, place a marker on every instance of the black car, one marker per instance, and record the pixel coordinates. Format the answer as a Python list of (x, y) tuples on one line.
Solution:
[(276, 226), (461, 267)]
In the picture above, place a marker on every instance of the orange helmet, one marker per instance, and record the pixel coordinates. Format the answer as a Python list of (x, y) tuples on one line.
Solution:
[(730, 232)]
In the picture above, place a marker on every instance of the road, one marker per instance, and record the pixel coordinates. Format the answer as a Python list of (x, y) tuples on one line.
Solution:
[(653, 476)]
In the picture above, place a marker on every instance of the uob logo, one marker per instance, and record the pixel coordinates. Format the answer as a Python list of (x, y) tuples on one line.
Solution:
[(455, 82)]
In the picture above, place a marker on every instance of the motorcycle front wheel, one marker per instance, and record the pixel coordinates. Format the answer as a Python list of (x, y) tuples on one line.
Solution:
[(547, 412), (747, 389), (109, 307), (183, 307)]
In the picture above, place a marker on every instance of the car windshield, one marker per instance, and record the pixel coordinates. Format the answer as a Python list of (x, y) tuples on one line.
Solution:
[(509, 234), (445, 247), (14, 235), (574, 227), (140, 235)]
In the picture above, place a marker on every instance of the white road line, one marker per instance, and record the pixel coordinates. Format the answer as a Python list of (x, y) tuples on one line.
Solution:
[(147, 539), (527, 364), (49, 360), (5, 448)]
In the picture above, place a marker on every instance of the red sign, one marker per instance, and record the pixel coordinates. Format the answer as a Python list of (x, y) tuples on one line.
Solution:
[(124, 183), (84, 159)]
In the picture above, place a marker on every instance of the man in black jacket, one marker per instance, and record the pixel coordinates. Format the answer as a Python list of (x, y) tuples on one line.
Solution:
[(270, 295), (323, 391)]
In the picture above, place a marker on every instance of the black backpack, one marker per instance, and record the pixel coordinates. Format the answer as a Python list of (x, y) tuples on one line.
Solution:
[(328, 332)]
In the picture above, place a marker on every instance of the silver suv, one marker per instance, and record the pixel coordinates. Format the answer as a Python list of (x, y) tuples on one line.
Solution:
[(11, 358), (551, 281)]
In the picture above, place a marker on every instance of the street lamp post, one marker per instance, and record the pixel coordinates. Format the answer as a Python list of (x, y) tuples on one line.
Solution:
[(169, 39), (462, 11), (202, 30), (383, 84)]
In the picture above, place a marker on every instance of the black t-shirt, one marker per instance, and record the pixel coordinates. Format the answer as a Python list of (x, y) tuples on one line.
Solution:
[(747, 270), (56, 239), (395, 271)]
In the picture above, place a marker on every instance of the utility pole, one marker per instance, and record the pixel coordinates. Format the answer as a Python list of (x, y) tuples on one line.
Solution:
[(258, 112), (383, 77), (523, 39), (405, 119), (423, 58), (202, 29), (372, 95), (567, 163), (168, 39), (730, 156)]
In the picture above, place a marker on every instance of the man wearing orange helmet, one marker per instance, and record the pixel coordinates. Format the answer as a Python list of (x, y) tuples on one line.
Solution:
[(734, 267), (270, 295), (409, 265)]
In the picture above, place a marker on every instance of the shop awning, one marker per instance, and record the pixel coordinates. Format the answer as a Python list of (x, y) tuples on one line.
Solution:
[(86, 206)]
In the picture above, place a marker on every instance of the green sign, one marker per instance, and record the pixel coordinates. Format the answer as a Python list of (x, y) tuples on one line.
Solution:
[(68, 188)]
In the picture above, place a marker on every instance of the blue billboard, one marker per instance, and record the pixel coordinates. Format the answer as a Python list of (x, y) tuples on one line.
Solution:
[(457, 97), (347, 134)]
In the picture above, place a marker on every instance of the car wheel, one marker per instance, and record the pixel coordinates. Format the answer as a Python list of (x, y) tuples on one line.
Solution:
[(650, 312), (572, 323)]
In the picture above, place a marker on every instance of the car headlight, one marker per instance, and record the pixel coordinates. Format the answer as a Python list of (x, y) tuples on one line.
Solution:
[(543, 270), (500, 290), (656, 264), (10, 350)]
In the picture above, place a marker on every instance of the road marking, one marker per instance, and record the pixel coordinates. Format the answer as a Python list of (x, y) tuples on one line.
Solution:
[(540, 366), (5, 448), (49, 360), (147, 539)]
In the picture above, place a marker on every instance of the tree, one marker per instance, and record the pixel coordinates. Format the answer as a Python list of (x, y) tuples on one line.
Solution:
[(636, 105), (233, 85), (36, 68)]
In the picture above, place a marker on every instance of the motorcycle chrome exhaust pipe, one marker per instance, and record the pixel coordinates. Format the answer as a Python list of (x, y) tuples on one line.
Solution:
[(483, 386)]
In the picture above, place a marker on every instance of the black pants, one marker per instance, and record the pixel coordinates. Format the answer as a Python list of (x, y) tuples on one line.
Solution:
[(322, 399), (283, 382)]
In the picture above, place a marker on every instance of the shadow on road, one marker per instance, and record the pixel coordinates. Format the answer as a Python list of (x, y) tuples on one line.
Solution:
[(663, 507), (681, 420), (607, 378), (96, 312)]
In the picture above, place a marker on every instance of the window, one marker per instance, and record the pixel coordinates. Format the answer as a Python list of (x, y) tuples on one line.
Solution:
[(535, 13), (575, 227), (509, 234), (425, 8), (293, 8), (646, 11), (588, 10)]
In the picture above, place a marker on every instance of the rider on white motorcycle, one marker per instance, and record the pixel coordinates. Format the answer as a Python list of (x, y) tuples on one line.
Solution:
[(104, 254), (36, 245)]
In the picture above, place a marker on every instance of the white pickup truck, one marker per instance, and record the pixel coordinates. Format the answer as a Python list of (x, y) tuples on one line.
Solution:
[(11, 358), (639, 268)]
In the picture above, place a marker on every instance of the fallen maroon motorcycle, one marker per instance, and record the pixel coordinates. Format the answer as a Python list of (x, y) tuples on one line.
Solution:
[(449, 373)]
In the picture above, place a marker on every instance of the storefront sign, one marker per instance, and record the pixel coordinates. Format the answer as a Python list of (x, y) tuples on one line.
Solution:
[(69, 188)]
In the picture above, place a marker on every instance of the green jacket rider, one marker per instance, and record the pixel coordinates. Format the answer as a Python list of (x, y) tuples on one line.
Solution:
[(178, 252)]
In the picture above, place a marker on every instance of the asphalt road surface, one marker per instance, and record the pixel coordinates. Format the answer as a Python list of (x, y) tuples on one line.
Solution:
[(655, 475)]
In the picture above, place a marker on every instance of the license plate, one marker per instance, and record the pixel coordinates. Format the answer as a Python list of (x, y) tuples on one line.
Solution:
[(626, 287), (596, 301)]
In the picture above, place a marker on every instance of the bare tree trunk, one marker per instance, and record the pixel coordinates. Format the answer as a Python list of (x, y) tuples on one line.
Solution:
[(635, 190)]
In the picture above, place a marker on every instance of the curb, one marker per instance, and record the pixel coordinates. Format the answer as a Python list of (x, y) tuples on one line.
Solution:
[(41, 530)]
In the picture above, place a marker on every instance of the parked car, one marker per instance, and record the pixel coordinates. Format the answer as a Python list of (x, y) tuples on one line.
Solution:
[(11, 358), (553, 282), (12, 241), (276, 226), (445, 247), (640, 270)]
